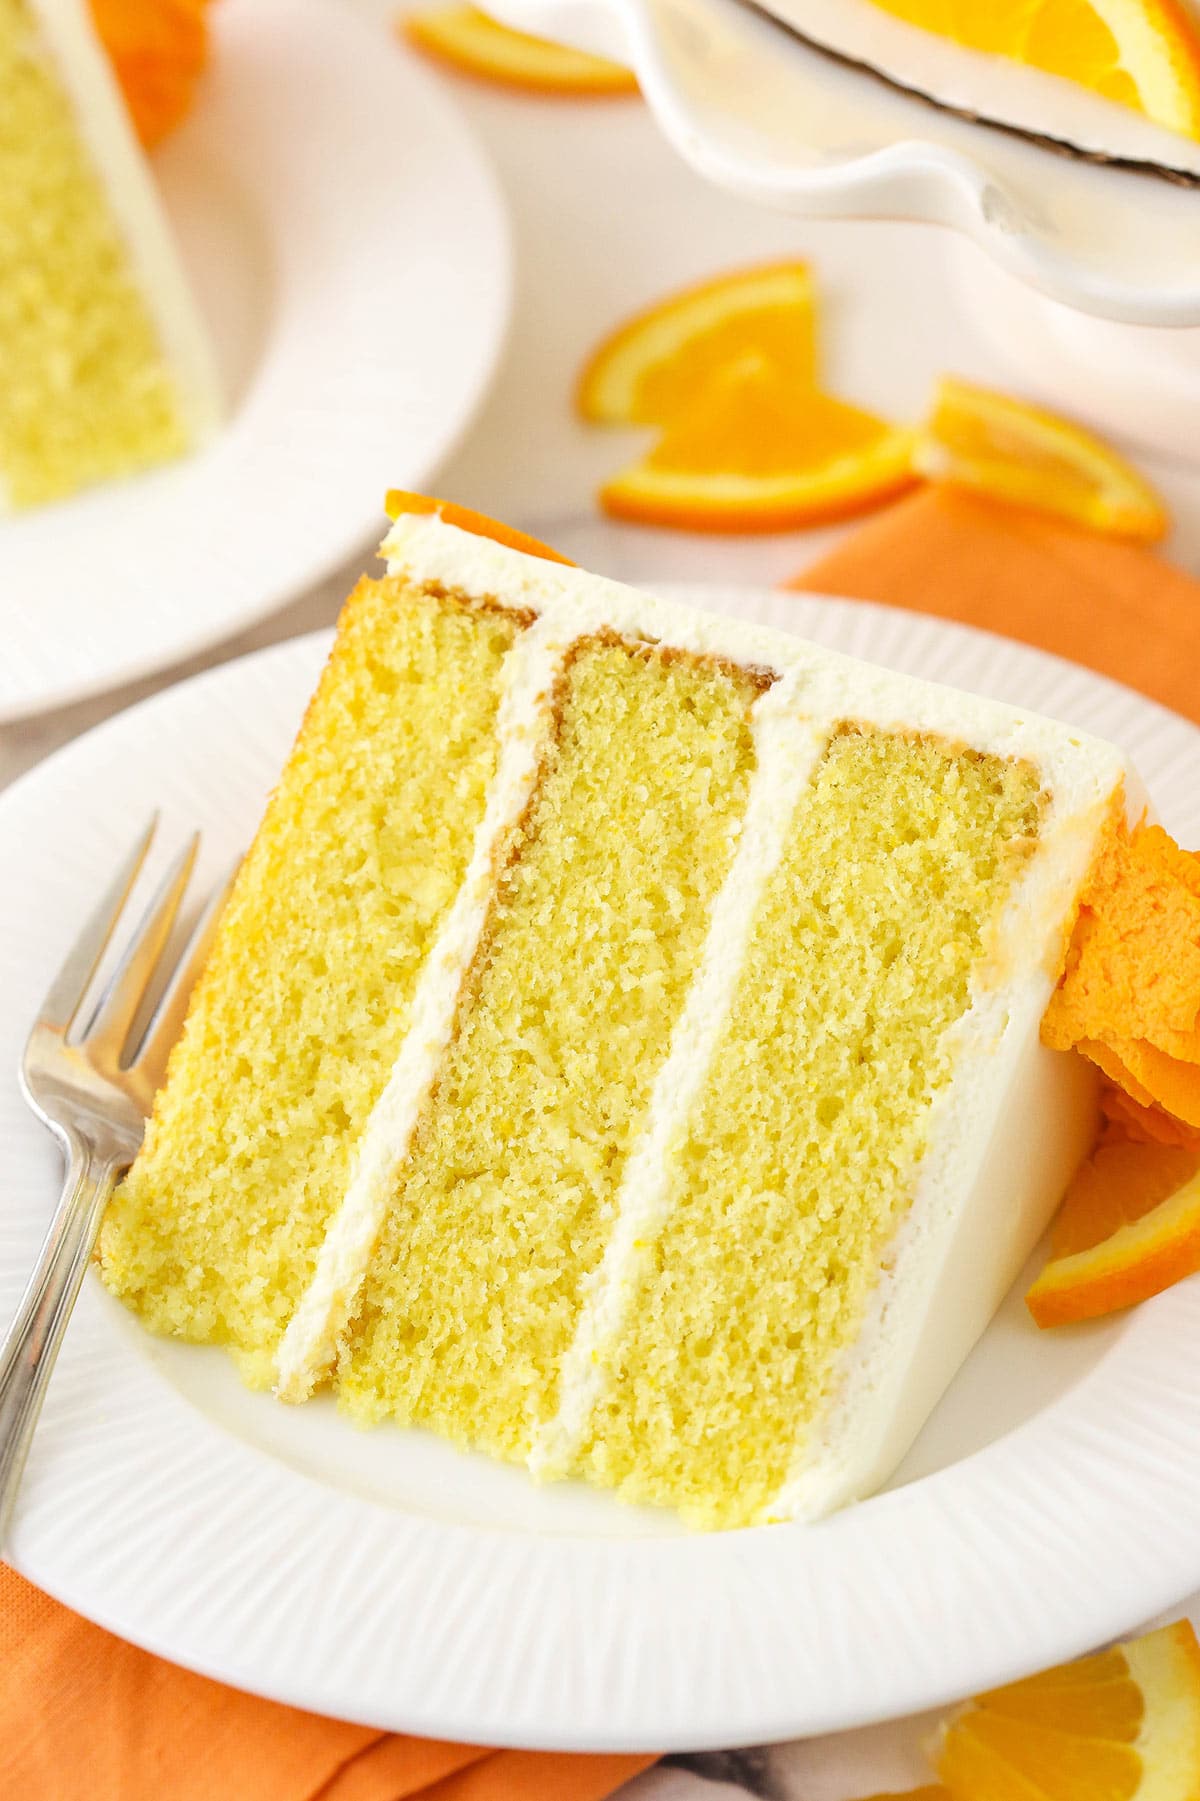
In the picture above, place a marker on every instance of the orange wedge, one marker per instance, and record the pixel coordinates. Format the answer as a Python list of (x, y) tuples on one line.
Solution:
[(1128, 1228), (157, 53), (975, 438), (1145, 54), (399, 500), (755, 452), (474, 43), (1123, 1725), (652, 367)]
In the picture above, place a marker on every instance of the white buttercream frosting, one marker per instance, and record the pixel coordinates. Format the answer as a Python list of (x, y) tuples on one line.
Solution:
[(531, 671), (788, 746)]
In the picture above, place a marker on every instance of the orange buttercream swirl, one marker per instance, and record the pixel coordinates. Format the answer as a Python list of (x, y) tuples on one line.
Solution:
[(1129, 994)]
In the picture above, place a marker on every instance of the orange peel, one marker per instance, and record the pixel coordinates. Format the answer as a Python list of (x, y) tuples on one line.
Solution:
[(471, 42), (994, 444), (399, 501)]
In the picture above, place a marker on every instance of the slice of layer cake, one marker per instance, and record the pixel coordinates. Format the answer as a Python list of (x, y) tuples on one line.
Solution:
[(621, 1050), (104, 364)]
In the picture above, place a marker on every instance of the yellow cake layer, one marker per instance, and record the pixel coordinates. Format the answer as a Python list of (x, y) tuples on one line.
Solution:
[(301, 1011), (800, 1159), (596, 932), (86, 392)]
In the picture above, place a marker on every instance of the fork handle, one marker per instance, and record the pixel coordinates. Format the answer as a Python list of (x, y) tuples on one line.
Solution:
[(32, 1344)]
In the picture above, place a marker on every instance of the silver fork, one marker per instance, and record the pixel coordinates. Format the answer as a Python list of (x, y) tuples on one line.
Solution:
[(93, 1088)]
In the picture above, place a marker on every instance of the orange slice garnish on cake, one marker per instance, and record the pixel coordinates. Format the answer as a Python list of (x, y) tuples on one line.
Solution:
[(1144, 54), (976, 438), (157, 53), (1128, 1228), (651, 368), (1123, 1725), (399, 500), (473, 43)]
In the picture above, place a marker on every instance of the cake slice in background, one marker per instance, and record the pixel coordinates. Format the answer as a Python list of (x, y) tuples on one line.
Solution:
[(621, 1051), (105, 367)]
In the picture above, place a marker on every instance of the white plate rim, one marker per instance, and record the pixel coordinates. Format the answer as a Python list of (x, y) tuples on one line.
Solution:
[(44, 668), (145, 1517)]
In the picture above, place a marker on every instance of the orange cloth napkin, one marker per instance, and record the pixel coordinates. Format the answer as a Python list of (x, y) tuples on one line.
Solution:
[(86, 1717), (1116, 607)]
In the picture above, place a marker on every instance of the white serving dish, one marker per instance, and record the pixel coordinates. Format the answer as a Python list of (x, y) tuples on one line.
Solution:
[(764, 114)]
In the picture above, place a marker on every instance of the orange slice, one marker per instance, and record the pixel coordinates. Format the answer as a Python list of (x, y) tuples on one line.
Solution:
[(1128, 1228), (756, 452), (976, 438), (1123, 1725), (399, 501), (157, 52), (654, 365), (932, 1791), (1145, 54), (474, 43)]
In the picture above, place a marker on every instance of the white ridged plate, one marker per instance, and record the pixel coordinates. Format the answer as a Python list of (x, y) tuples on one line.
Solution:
[(1049, 1504), (349, 248)]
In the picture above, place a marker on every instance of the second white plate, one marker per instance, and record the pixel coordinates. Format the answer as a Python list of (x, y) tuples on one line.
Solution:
[(387, 1578), (349, 247)]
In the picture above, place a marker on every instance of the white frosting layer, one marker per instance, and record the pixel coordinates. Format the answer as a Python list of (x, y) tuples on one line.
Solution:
[(1003, 1137), (788, 747), (104, 125), (532, 668)]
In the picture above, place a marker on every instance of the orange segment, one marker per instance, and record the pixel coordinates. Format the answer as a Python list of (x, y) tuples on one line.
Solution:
[(755, 454), (1144, 54), (976, 438), (474, 43), (648, 370), (399, 500), (157, 52), (1155, 1249), (1123, 1726)]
